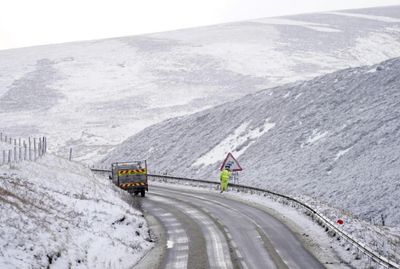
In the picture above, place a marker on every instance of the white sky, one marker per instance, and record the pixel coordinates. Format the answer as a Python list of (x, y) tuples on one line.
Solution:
[(36, 22)]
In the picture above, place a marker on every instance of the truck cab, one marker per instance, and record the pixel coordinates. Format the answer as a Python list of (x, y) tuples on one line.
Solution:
[(130, 176)]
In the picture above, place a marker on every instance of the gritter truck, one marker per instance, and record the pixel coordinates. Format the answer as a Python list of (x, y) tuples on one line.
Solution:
[(130, 176)]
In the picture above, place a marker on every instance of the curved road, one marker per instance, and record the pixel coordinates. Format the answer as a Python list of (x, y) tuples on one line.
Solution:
[(208, 230)]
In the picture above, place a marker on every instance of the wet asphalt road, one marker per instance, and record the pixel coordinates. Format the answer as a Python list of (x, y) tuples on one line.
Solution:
[(208, 230)]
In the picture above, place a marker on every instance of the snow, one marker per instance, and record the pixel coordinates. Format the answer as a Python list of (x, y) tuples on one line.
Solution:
[(298, 96), (316, 135), (236, 143), (335, 253), (286, 95), (90, 96), (307, 152), (57, 214), (170, 244), (341, 153), (321, 27), (365, 16), (372, 70), (364, 232), (375, 47)]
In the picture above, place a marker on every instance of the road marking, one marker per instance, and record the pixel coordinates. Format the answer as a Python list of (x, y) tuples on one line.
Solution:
[(177, 241), (273, 252), (170, 244), (275, 258), (217, 247)]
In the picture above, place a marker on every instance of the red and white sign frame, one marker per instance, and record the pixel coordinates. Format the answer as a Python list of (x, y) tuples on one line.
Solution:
[(230, 158)]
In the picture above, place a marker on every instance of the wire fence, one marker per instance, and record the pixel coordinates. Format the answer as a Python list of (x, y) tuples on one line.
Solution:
[(14, 150)]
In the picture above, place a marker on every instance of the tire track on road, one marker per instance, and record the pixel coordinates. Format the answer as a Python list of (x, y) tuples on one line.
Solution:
[(286, 250), (218, 250)]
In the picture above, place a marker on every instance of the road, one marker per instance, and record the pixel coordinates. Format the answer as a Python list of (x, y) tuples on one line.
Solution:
[(208, 230)]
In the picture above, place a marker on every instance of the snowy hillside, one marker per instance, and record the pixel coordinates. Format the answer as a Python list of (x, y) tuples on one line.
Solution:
[(93, 95), (335, 138), (56, 214)]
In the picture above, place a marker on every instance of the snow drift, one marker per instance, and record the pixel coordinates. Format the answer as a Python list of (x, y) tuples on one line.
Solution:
[(335, 138), (56, 214)]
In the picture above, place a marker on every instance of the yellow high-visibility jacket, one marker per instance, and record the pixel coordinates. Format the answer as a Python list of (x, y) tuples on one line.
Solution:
[(225, 175)]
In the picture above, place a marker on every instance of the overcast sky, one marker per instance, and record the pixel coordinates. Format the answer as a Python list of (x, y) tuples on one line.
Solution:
[(36, 22)]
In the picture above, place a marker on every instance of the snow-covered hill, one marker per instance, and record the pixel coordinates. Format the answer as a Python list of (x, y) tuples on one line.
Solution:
[(56, 214), (93, 95), (335, 138)]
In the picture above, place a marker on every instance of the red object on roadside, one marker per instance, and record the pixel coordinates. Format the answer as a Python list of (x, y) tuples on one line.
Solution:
[(340, 221)]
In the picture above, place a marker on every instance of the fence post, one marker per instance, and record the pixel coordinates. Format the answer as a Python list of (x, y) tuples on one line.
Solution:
[(15, 154), (15, 151), (30, 149), (34, 149), (39, 147), (45, 144), (19, 150), (25, 151), (70, 154)]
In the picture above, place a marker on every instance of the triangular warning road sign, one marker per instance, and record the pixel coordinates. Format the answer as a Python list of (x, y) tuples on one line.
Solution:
[(232, 163)]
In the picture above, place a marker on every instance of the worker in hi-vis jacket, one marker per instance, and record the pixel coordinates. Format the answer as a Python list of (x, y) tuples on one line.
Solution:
[(224, 178)]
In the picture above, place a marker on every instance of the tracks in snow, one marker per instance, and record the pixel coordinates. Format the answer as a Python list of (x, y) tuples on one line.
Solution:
[(207, 230)]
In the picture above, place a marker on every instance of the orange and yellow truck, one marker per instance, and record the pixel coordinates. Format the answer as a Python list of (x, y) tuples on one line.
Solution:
[(130, 176)]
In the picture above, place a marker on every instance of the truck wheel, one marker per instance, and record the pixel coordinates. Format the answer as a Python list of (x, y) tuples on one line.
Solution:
[(142, 193)]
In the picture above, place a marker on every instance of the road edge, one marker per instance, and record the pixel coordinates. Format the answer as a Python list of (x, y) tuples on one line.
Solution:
[(155, 256)]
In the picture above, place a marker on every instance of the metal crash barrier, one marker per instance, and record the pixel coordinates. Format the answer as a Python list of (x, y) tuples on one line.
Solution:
[(318, 217)]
